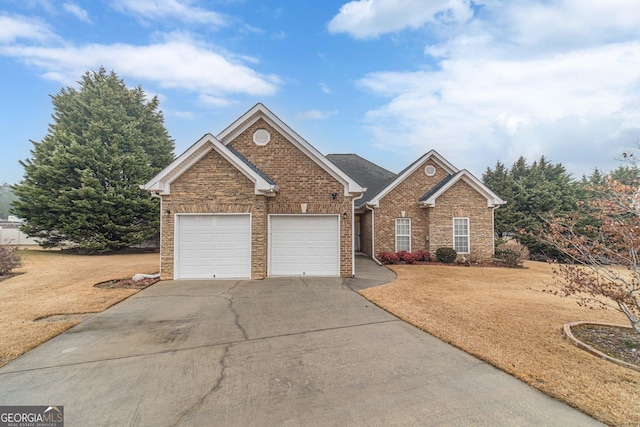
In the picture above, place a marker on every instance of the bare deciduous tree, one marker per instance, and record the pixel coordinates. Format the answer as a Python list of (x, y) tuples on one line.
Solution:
[(606, 268)]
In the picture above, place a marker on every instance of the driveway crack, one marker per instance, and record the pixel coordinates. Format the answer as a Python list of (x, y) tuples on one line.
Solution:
[(236, 315), (216, 386)]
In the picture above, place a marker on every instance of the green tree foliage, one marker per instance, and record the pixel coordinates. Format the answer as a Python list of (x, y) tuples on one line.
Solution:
[(7, 197), (81, 184), (532, 192)]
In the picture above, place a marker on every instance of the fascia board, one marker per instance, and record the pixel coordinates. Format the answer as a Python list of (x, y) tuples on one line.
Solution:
[(157, 182), (473, 182), (261, 185), (162, 181), (351, 187), (432, 154)]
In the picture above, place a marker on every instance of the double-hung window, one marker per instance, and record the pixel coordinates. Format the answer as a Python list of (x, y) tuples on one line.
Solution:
[(403, 234), (461, 235)]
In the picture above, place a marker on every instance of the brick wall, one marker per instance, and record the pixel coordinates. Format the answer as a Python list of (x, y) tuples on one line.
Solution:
[(300, 180), (463, 201), (405, 198), (365, 233), (213, 185), (459, 201)]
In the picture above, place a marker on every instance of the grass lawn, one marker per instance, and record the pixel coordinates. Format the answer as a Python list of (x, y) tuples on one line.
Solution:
[(53, 283), (499, 315)]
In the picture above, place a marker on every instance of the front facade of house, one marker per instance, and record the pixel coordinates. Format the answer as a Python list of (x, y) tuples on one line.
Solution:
[(430, 204), (257, 200)]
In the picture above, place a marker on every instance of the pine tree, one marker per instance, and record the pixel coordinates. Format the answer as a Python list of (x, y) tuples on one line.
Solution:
[(532, 192), (81, 185)]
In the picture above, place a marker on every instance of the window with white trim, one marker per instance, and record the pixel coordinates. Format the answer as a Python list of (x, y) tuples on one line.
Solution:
[(461, 235), (403, 234)]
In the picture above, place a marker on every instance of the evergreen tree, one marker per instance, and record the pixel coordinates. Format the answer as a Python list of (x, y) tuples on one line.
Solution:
[(532, 192), (81, 184)]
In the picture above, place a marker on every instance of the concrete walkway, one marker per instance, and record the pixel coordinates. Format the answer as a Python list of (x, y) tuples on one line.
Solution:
[(281, 351)]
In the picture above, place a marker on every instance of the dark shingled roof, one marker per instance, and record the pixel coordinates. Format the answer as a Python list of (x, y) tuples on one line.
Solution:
[(438, 186), (365, 173), (251, 165)]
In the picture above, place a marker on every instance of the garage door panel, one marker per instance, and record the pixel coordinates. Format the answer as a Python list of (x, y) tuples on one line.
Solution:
[(213, 246), (304, 245)]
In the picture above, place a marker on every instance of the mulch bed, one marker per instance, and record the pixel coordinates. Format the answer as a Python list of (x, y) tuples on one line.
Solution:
[(619, 343), (126, 283)]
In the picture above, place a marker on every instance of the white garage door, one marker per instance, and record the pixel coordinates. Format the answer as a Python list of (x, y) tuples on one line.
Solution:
[(304, 245), (213, 246)]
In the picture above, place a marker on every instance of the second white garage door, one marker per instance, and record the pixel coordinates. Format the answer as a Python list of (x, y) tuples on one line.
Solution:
[(213, 246), (304, 245)]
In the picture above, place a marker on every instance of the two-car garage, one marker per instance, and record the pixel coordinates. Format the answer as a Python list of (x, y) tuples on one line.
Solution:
[(218, 246)]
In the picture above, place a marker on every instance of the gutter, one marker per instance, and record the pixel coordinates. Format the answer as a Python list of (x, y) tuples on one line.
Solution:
[(373, 232)]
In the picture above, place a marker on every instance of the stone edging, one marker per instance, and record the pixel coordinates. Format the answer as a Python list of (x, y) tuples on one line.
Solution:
[(590, 349)]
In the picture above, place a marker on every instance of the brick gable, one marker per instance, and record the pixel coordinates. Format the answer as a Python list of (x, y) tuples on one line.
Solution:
[(213, 185), (300, 180)]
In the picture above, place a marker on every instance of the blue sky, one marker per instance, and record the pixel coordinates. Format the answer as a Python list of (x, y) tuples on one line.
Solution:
[(478, 81)]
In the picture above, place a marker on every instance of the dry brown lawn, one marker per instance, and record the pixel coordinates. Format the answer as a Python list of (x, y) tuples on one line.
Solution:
[(53, 283), (501, 316)]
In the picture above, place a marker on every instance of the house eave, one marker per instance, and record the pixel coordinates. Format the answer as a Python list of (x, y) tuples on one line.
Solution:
[(351, 188)]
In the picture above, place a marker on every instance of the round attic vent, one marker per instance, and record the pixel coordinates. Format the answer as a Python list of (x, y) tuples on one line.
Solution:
[(261, 137), (430, 170)]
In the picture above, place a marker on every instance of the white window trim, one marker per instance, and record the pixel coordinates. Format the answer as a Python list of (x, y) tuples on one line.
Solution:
[(402, 235), (468, 234)]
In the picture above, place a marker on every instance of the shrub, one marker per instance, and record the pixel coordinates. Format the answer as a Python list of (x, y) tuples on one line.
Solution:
[(512, 253), (410, 258), (9, 259), (388, 258), (402, 255), (446, 255), (423, 255)]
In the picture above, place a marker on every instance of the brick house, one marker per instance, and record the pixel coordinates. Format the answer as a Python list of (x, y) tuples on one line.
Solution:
[(258, 200), (428, 205)]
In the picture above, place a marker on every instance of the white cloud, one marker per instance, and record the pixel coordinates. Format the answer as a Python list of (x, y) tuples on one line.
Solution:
[(77, 11), (188, 115), (316, 115), (371, 18), (214, 101), (525, 78), (22, 28), (162, 9), (325, 89), (171, 64)]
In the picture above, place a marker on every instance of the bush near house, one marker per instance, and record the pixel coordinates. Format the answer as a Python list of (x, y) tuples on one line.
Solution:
[(446, 255), (388, 258), (512, 253), (404, 257), (9, 259)]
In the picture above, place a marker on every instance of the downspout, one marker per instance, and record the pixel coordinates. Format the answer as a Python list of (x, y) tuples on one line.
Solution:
[(373, 233), (353, 240), (493, 231), (139, 276)]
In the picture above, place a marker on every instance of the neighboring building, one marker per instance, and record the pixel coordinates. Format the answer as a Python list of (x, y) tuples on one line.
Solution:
[(258, 200), (10, 233)]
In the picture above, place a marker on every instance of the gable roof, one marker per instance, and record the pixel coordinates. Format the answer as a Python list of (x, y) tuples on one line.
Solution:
[(429, 199), (437, 187), (366, 173), (406, 172), (259, 111), (380, 182), (161, 183)]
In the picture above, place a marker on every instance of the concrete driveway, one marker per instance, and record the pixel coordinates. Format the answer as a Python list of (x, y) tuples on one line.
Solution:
[(294, 352)]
